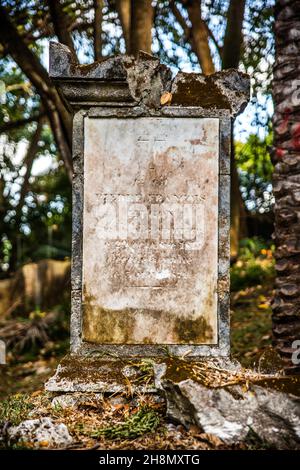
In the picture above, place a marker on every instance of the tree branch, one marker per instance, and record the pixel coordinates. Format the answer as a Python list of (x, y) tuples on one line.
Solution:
[(214, 39), (62, 144), (197, 35), (200, 36), (181, 21), (8, 126), (30, 65), (29, 158), (233, 34), (60, 24)]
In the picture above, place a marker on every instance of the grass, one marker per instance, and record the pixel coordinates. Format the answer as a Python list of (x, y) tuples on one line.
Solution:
[(252, 281), (15, 409), (251, 324), (145, 420)]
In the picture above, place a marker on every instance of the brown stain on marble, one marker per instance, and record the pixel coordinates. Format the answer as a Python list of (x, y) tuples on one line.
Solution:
[(108, 326), (190, 330), (196, 141), (161, 167), (192, 92)]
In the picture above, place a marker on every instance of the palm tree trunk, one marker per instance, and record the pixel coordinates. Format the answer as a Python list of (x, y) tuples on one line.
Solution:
[(286, 180)]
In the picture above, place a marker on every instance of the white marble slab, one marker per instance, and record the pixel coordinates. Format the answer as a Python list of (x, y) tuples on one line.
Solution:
[(150, 230)]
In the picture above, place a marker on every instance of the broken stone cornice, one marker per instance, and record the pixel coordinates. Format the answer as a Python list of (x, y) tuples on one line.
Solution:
[(63, 65), (228, 89), (143, 81)]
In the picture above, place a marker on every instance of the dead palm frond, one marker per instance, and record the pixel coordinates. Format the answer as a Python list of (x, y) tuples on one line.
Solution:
[(22, 335)]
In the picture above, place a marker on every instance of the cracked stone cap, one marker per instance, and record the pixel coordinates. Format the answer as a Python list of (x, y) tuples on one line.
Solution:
[(146, 82)]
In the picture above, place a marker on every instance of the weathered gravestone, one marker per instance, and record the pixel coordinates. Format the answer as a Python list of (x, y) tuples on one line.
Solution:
[(150, 270)]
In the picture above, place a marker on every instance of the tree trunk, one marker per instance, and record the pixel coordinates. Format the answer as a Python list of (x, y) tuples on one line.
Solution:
[(124, 12), (200, 36), (286, 181), (98, 6), (231, 59), (141, 26)]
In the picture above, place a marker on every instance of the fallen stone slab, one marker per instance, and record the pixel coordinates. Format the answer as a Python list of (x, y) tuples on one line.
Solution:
[(233, 412), (39, 433)]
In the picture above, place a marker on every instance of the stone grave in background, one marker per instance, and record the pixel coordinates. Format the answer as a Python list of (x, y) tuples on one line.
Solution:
[(151, 215)]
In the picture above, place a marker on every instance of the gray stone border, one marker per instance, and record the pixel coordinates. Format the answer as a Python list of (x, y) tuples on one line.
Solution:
[(194, 351)]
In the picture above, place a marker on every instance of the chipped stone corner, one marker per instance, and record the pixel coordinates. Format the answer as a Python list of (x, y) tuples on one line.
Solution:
[(60, 60), (147, 79)]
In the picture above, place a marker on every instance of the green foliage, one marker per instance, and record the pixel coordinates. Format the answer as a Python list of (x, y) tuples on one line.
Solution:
[(254, 156), (251, 323), (255, 172), (43, 228), (40, 227), (250, 248), (143, 421), (258, 49), (250, 274), (49, 216), (255, 264), (21, 101), (15, 409)]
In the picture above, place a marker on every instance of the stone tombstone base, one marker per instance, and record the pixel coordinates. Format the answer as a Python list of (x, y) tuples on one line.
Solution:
[(94, 374), (151, 216), (106, 375)]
